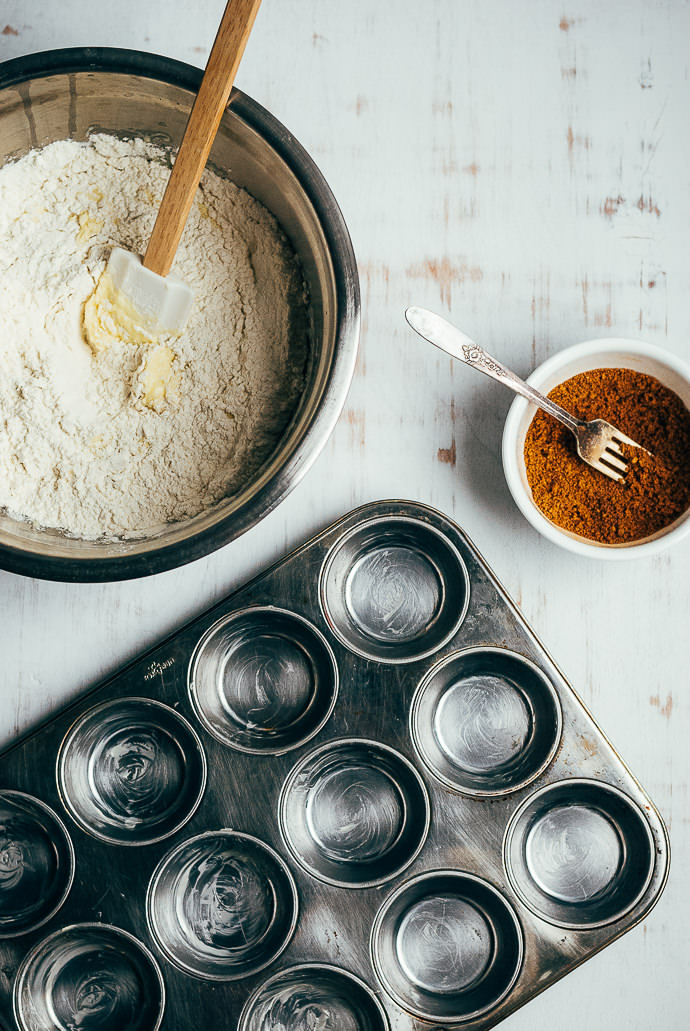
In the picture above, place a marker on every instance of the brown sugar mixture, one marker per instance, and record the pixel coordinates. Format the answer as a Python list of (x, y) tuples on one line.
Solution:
[(578, 498)]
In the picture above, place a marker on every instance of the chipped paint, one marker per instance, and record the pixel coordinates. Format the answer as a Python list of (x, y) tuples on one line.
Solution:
[(611, 205), (585, 300), (449, 165), (576, 140), (448, 455), (356, 420), (373, 273), (646, 204), (665, 708), (595, 310), (446, 274), (540, 310)]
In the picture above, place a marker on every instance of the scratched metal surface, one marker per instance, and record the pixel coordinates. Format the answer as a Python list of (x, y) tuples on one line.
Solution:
[(521, 167), (374, 703)]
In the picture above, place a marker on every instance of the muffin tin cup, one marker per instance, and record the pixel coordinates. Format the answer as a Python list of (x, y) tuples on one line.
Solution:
[(89, 976), (446, 946), (354, 813), (131, 771), (486, 721), (311, 997), (222, 905), (394, 589), (263, 680), (36, 863), (579, 853)]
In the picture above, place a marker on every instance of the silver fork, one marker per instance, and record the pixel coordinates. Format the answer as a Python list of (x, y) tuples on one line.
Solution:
[(598, 442)]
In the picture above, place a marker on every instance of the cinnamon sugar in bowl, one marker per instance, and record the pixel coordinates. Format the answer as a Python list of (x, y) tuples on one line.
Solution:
[(645, 392)]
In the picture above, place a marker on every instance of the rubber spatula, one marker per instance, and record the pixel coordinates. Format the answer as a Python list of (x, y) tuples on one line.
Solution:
[(143, 289)]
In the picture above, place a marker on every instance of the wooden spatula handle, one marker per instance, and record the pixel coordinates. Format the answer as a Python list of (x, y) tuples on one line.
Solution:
[(200, 133)]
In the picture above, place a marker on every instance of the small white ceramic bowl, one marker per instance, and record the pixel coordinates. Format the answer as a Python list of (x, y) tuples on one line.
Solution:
[(593, 354)]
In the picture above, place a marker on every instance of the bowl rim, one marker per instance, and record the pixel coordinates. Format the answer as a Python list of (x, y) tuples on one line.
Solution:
[(520, 407), (86, 928), (307, 447)]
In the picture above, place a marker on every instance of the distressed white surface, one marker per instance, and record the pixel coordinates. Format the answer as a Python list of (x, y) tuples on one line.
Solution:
[(523, 166)]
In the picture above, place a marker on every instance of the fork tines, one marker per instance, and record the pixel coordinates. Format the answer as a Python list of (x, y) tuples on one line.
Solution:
[(611, 461)]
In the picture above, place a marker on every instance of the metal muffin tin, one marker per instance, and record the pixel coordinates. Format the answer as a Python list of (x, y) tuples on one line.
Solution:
[(356, 795)]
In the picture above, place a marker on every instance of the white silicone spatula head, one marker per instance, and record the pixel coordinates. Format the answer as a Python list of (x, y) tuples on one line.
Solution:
[(160, 303), (143, 289)]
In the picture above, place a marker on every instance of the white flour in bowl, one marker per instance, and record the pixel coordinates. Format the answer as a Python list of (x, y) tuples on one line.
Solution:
[(118, 441)]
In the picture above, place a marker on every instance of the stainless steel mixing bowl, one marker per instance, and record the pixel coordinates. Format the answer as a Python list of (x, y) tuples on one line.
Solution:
[(68, 94)]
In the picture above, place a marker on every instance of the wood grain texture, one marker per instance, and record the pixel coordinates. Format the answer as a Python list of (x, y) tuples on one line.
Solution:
[(523, 168), (204, 119)]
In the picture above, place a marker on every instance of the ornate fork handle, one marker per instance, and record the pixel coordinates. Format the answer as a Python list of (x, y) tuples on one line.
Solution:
[(477, 356), (449, 339)]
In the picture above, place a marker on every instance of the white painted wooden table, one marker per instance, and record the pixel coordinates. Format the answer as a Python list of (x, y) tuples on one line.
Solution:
[(523, 166)]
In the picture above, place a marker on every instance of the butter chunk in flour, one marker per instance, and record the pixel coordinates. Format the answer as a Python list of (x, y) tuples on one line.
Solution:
[(120, 438)]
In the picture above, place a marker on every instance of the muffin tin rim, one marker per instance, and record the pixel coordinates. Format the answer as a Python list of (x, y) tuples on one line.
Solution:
[(87, 925), (319, 750), (68, 738), (330, 556), (153, 882), (245, 1012), (544, 789), (67, 838), (229, 617), (486, 793), (457, 874)]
